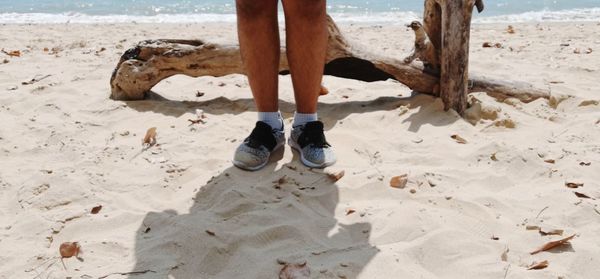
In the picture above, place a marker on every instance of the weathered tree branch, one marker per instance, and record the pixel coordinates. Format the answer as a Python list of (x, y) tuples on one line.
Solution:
[(152, 61)]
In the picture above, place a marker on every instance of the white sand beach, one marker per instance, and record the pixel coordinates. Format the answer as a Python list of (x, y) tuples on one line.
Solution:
[(181, 210)]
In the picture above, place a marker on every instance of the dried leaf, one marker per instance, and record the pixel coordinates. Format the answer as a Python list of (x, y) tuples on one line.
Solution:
[(553, 244), (551, 232), (459, 139), (540, 265), (487, 44), (585, 164), (69, 249), (211, 233), (336, 176), (96, 209), (573, 185), (582, 195), (533, 228), (150, 138), (323, 91), (12, 53), (350, 211), (510, 29), (550, 161), (295, 271), (494, 158), (199, 94), (589, 50), (399, 181)]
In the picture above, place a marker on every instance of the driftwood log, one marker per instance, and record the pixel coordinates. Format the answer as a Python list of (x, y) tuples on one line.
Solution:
[(152, 61)]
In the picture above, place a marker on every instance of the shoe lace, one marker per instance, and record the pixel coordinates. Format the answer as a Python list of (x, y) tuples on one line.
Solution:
[(313, 134), (262, 135)]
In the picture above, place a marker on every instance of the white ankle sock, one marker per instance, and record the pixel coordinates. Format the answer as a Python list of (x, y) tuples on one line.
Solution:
[(274, 119), (303, 118)]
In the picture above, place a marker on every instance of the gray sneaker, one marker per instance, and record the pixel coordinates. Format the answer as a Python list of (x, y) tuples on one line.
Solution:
[(309, 140), (254, 153)]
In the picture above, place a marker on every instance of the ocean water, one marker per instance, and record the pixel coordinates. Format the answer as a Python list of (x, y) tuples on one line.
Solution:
[(392, 11)]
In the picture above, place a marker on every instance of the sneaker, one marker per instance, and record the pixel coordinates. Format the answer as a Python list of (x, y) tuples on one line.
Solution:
[(254, 153), (309, 140)]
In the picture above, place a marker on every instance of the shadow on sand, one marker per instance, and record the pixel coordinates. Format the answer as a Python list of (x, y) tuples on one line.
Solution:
[(244, 225)]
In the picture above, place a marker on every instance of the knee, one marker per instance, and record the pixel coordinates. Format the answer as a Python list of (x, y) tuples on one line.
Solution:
[(309, 9), (254, 8)]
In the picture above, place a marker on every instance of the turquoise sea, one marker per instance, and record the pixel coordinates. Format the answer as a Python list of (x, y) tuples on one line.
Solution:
[(23, 11)]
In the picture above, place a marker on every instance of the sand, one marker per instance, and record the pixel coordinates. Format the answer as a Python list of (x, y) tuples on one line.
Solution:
[(180, 210)]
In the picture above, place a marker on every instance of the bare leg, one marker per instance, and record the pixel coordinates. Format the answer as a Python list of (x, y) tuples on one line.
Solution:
[(258, 34), (306, 29)]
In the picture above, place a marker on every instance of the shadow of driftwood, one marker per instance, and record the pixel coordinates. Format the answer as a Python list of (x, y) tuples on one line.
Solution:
[(256, 220)]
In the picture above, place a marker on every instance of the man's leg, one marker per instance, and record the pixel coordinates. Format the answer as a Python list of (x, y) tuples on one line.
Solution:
[(258, 33), (306, 28)]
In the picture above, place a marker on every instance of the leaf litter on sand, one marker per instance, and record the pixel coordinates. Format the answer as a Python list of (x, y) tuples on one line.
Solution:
[(69, 249), (573, 185), (336, 176), (96, 209), (150, 137), (459, 139), (553, 244), (399, 181), (12, 53), (538, 265), (582, 195), (295, 271)]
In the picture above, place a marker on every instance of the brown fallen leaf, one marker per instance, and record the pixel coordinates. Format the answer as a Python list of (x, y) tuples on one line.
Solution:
[(537, 266), (295, 271), (582, 195), (350, 211), (336, 176), (459, 139), (551, 232), (553, 244), (96, 209), (585, 164), (573, 185), (487, 44), (589, 50), (211, 233), (399, 181), (69, 249), (510, 29), (494, 158), (150, 138), (323, 91), (550, 161), (12, 53)]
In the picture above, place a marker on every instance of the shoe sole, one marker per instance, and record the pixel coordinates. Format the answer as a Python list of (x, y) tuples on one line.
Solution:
[(243, 166), (307, 163)]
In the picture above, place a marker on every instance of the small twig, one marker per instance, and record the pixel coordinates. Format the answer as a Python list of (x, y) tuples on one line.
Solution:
[(597, 211), (34, 80), (128, 273), (197, 121), (506, 272), (541, 212)]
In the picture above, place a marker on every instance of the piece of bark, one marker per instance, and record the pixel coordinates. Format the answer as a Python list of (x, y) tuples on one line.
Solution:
[(152, 61)]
